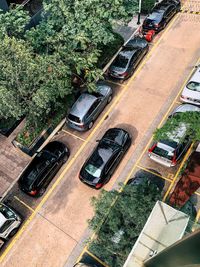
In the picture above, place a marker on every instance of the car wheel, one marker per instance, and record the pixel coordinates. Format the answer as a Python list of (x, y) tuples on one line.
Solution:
[(109, 99), (41, 192), (13, 232), (90, 125)]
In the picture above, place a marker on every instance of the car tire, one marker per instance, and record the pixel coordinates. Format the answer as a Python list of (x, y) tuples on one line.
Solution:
[(109, 99), (90, 125), (13, 232), (41, 192)]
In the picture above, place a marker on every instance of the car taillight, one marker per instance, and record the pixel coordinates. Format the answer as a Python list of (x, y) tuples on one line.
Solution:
[(174, 161), (33, 193), (97, 186), (152, 148), (124, 74)]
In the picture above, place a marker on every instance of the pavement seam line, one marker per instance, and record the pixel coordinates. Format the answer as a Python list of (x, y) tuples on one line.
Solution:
[(67, 132), (24, 204), (53, 224), (138, 160), (147, 170)]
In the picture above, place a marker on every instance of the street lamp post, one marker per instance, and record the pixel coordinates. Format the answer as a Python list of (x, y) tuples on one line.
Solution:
[(139, 11)]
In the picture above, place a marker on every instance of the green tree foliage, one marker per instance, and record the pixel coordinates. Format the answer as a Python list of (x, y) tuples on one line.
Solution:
[(12, 23), (123, 215), (29, 84), (190, 119), (147, 5)]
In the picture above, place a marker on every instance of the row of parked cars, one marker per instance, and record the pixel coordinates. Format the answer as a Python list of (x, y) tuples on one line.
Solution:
[(99, 167)]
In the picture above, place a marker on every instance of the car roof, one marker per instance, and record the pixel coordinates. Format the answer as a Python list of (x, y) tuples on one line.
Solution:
[(127, 52), (82, 105), (115, 134)]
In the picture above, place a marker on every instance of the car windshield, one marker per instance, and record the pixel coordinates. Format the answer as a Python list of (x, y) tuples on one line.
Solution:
[(7, 213), (194, 86), (121, 61), (165, 151), (92, 170), (155, 16)]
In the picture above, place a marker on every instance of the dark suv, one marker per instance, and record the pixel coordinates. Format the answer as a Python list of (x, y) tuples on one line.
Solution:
[(39, 173), (160, 15)]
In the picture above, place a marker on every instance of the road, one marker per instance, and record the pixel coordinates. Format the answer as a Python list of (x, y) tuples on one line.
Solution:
[(56, 225)]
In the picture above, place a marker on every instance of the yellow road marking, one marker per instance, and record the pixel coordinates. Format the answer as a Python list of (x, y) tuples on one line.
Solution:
[(178, 102), (198, 216), (63, 130), (170, 176), (197, 193), (177, 173), (97, 259), (146, 147), (147, 170), (24, 204)]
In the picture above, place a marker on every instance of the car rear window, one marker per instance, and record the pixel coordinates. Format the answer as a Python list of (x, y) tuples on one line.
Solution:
[(73, 118), (121, 61), (155, 17), (194, 86), (164, 151)]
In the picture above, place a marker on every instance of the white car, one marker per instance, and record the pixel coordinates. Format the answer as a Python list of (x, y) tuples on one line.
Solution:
[(9, 222), (191, 92)]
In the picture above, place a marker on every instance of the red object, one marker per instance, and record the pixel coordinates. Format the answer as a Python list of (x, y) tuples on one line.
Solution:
[(98, 186), (152, 148), (174, 159), (149, 35), (188, 183), (33, 193)]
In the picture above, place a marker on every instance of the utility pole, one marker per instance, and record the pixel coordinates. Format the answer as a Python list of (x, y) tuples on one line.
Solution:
[(139, 11)]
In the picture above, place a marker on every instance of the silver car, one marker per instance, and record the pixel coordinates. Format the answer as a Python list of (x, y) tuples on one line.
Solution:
[(191, 92), (88, 107), (9, 222), (184, 108)]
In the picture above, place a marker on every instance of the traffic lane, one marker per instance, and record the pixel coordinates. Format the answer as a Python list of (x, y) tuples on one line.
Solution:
[(73, 144), (84, 135), (46, 241)]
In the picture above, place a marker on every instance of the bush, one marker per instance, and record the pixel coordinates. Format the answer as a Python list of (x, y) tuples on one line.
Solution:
[(147, 5)]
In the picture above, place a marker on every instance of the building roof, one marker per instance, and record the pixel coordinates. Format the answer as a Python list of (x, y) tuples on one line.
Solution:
[(164, 227)]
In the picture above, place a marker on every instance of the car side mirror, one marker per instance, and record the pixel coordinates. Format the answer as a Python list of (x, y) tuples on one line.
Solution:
[(97, 140)]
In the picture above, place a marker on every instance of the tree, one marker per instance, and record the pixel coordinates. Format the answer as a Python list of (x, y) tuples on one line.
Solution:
[(29, 84), (118, 220), (190, 119), (147, 5)]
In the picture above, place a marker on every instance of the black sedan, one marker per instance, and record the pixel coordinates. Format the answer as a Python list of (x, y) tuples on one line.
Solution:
[(39, 173), (161, 15), (100, 166), (128, 58)]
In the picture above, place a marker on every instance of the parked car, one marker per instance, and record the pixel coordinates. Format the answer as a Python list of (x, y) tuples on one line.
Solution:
[(105, 158), (188, 183), (10, 222), (170, 151), (184, 108), (160, 15), (88, 107), (39, 173), (128, 58), (151, 176), (191, 92)]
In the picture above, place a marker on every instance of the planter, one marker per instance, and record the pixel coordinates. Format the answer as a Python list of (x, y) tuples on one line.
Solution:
[(45, 135), (36, 143)]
